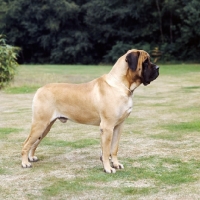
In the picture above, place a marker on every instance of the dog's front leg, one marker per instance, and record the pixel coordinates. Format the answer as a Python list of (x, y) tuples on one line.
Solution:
[(106, 138), (115, 145)]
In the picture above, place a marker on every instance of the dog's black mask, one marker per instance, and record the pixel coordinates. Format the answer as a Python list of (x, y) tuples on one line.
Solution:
[(150, 72)]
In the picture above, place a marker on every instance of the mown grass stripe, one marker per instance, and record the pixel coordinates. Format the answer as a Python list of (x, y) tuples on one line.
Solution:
[(4, 132), (21, 89), (82, 143)]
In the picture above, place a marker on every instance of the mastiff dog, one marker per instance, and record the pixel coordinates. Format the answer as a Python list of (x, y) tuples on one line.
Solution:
[(105, 102)]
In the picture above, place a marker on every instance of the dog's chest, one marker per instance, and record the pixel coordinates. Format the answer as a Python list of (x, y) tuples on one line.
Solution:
[(129, 105), (125, 109)]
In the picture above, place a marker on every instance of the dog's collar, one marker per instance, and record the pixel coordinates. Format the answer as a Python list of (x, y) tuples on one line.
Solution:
[(131, 91)]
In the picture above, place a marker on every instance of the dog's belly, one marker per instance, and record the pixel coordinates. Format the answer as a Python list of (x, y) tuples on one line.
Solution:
[(70, 102), (80, 115), (86, 118)]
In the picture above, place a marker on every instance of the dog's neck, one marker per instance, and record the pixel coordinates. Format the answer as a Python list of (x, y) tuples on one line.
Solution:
[(121, 83), (118, 76)]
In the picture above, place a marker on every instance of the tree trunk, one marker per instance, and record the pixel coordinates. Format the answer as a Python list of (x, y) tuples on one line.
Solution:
[(160, 21)]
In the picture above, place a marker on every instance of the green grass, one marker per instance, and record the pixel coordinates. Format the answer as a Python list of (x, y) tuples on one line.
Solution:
[(177, 131), (4, 132), (68, 69), (184, 127), (59, 185), (166, 170), (159, 173), (31, 77), (191, 87), (179, 70), (21, 90), (77, 144)]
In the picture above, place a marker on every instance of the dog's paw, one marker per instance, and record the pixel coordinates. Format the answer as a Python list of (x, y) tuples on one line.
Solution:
[(33, 159), (26, 165), (117, 165), (110, 170)]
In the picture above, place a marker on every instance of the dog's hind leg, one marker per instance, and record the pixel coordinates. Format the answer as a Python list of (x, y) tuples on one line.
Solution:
[(38, 131), (31, 156), (114, 146)]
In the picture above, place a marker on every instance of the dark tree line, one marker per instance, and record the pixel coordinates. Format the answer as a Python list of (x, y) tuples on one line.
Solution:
[(93, 31)]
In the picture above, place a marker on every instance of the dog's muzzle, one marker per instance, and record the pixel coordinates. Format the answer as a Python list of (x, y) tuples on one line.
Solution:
[(152, 76), (157, 67)]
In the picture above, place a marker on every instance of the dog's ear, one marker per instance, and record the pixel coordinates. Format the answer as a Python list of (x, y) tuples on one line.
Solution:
[(132, 60)]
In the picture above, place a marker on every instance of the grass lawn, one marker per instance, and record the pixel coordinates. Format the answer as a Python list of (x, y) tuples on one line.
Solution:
[(159, 146)]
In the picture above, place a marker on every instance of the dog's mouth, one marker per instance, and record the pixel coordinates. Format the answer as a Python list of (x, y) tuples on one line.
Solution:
[(146, 83)]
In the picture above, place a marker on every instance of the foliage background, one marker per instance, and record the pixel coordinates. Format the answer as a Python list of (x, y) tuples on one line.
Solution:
[(94, 31), (8, 64)]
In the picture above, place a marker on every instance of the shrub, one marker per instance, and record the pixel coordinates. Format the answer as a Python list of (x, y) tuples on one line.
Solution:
[(117, 50), (8, 63)]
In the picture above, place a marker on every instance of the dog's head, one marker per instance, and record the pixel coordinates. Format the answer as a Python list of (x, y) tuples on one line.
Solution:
[(139, 63)]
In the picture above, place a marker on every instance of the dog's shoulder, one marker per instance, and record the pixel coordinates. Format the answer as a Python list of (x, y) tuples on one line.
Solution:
[(102, 85)]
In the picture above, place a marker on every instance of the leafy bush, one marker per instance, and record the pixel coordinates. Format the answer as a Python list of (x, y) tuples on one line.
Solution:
[(117, 50), (8, 63), (121, 48)]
